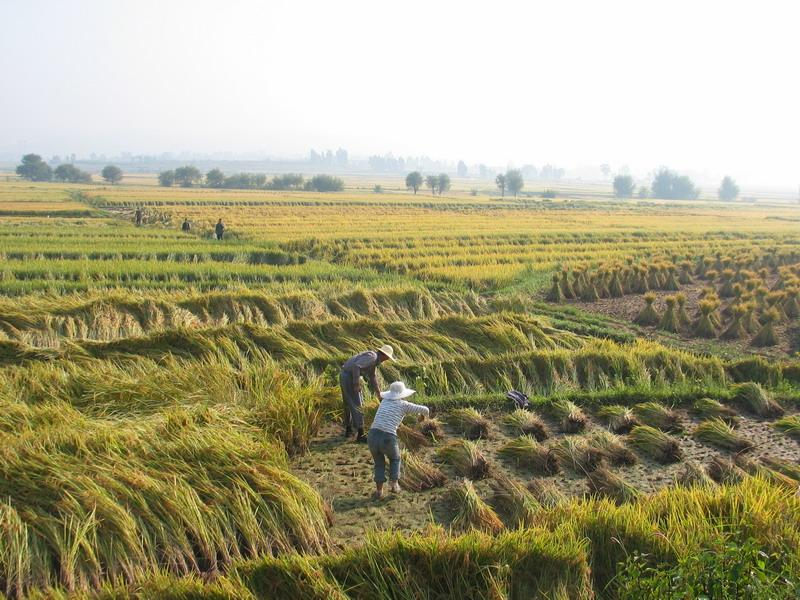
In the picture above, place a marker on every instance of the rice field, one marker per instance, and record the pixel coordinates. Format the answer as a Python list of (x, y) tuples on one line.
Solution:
[(169, 403)]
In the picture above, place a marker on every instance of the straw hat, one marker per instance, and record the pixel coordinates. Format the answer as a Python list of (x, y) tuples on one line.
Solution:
[(388, 351), (397, 391)]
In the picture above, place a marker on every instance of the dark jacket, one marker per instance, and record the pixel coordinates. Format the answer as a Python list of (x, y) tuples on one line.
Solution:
[(363, 365)]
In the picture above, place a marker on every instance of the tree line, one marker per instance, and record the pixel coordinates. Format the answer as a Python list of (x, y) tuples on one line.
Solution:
[(33, 168), (189, 176), (511, 181), (669, 185)]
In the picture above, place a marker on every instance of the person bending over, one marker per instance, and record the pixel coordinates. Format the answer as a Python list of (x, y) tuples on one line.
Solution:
[(382, 437), (360, 365)]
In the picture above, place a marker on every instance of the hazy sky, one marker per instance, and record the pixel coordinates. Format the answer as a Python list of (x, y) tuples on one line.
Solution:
[(691, 84)]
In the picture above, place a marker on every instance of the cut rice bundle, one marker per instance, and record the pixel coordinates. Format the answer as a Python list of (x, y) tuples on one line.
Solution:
[(724, 471), (470, 512), (612, 448), (466, 458), (694, 474), (655, 443), (470, 422), (419, 475), (751, 467), (606, 483), (670, 321), (648, 315), (578, 455), (756, 399), (657, 415), (709, 408), (718, 433), (546, 493), (766, 336), (786, 467), (789, 425), (514, 501), (525, 451), (432, 429), (620, 419), (411, 438), (571, 418), (527, 423)]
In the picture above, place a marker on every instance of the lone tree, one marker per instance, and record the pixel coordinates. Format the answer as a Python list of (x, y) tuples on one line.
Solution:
[(111, 174), (34, 168), (432, 181), (728, 190), (166, 178), (215, 178), (623, 186), (187, 176), (444, 182), (461, 169), (671, 186), (514, 181), (71, 173), (414, 181), (500, 180)]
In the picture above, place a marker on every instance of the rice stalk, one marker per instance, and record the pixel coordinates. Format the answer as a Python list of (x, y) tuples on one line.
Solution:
[(657, 415), (470, 422), (725, 472), (648, 315), (546, 492), (612, 448), (525, 451), (432, 429), (757, 400), (709, 408), (466, 458), (604, 482), (789, 425), (577, 454), (470, 512), (571, 418), (784, 466), (527, 422), (411, 438), (419, 475), (718, 433), (655, 444), (620, 419), (693, 474), (514, 501)]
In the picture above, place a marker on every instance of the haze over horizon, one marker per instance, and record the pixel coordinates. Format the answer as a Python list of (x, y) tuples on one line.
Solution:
[(702, 87)]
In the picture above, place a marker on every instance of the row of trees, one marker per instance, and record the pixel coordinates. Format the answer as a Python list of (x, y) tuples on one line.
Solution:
[(33, 168), (510, 181), (189, 176), (669, 185)]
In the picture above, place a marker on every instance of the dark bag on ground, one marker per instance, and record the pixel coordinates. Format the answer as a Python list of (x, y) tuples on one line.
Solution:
[(519, 399)]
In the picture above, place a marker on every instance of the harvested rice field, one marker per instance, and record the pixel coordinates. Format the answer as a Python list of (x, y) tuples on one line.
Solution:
[(170, 411)]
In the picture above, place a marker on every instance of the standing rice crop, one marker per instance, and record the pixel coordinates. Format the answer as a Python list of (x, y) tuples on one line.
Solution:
[(527, 423), (470, 511), (709, 408), (757, 400), (470, 422), (466, 458), (620, 419), (419, 475), (718, 433), (789, 425), (655, 443), (657, 415), (604, 482), (571, 417), (612, 448), (648, 314), (527, 452)]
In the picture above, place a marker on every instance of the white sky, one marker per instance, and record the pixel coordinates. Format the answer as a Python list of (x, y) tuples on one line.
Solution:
[(702, 85)]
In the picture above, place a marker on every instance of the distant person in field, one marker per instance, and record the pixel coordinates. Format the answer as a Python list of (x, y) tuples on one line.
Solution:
[(139, 216), (382, 438), (219, 230), (361, 365), (186, 227)]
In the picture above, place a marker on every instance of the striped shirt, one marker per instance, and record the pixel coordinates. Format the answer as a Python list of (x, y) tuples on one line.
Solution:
[(391, 412)]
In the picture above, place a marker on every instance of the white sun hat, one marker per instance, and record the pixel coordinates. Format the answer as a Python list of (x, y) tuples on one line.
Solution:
[(397, 391), (388, 351)]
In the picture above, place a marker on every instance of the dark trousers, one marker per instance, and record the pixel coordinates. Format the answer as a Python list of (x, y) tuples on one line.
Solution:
[(353, 417)]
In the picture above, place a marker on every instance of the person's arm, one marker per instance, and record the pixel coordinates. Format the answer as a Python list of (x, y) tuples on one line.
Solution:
[(373, 381), (416, 409), (355, 371)]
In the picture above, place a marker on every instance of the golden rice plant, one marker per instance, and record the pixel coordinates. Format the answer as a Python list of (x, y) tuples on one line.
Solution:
[(571, 418), (419, 475), (789, 425), (620, 419), (470, 422), (612, 448), (718, 433), (657, 415), (527, 422), (757, 400), (709, 408), (470, 512), (525, 451), (655, 444), (466, 458), (555, 294), (735, 329), (648, 315), (604, 482)]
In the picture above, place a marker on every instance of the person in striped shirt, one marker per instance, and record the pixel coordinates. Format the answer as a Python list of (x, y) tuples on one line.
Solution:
[(382, 436)]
